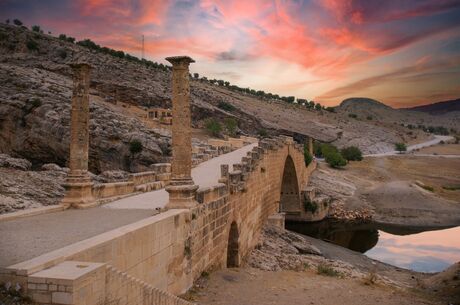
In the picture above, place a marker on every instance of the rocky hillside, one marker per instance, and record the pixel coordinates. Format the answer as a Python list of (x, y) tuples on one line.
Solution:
[(439, 107), (367, 108), (35, 107)]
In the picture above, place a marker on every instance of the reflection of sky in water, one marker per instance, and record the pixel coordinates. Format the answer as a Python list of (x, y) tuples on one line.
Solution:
[(431, 251)]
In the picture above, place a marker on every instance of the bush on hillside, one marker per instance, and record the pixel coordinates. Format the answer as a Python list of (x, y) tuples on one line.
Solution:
[(352, 115), (231, 125), (400, 147), (32, 45), (226, 106), (335, 159), (262, 133), (135, 146), (213, 127), (352, 153)]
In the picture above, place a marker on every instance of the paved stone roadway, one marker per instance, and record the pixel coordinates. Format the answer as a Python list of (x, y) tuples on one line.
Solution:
[(28, 237)]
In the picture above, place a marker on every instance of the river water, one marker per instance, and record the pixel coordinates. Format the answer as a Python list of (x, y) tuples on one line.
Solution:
[(418, 249)]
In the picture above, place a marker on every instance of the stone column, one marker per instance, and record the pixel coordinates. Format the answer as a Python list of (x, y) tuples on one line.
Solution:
[(182, 188), (78, 183)]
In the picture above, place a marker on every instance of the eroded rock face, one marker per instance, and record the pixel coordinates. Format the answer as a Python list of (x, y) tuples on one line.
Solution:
[(16, 163)]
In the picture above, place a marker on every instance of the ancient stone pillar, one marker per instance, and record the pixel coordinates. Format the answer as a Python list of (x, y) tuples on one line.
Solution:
[(78, 183), (182, 188)]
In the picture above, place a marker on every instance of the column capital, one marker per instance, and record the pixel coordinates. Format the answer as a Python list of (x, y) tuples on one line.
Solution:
[(180, 61)]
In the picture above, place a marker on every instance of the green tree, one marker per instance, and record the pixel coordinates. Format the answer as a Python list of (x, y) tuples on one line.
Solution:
[(32, 45), (196, 75), (213, 127), (352, 153), (231, 125), (335, 159), (36, 28), (318, 106), (400, 147)]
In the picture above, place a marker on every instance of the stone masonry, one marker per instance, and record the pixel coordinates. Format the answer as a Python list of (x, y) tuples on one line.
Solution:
[(182, 188), (78, 183)]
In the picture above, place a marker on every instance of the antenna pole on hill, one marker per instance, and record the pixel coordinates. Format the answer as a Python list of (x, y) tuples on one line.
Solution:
[(142, 46)]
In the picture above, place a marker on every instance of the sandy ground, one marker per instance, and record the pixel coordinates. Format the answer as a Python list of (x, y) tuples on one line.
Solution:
[(387, 185), (253, 287), (445, 149)]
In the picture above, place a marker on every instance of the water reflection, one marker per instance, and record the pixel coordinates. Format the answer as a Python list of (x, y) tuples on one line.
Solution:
[(406, 247)]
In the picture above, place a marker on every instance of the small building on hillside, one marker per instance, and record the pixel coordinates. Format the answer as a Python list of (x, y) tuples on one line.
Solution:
[(162, 115)]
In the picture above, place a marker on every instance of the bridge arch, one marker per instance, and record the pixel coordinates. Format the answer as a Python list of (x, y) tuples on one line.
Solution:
[(289, 189), (233, 247)]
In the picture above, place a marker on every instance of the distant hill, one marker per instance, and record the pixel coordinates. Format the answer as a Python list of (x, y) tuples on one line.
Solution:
[(439, 107), (361, 103)]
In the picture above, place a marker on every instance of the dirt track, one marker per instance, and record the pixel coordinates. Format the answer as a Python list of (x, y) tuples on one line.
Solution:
[(254, 287)]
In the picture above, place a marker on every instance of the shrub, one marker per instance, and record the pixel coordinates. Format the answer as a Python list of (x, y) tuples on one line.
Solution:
[(335, 159), (17, 22), (352, 115), (400, 147), (226, 106), (306, 155), (330, 109), (3, 36), (135, 146), (310, 206), (262, 133), (213, 127), (327, 149), (369, 117), (317, 150), (352, 153), (36, 28), (318, 106), (324, 269), (32, 45), (231, 125)]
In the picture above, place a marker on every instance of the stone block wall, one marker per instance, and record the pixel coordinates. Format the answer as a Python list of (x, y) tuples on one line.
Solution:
[(122, 288)]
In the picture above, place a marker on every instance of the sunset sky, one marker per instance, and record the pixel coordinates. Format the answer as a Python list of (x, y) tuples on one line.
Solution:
[(402, 52)]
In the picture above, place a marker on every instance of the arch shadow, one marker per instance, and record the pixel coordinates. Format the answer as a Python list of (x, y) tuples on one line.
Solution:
[(233, 248), (290, 195)]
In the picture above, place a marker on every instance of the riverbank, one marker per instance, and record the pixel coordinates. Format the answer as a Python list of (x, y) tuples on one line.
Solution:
[(288, 268), (405, 190)]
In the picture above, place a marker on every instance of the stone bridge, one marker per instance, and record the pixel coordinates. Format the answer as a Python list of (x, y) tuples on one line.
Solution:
[(200, 229)]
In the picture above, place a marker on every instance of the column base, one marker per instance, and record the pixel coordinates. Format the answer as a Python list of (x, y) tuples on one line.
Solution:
[(181, 196), (79, 195)]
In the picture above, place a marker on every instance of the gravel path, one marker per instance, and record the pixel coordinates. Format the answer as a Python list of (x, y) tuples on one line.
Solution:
[(436, 140)]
